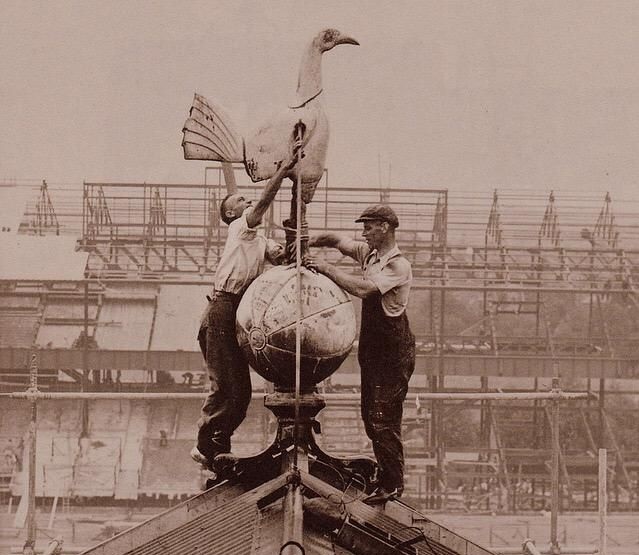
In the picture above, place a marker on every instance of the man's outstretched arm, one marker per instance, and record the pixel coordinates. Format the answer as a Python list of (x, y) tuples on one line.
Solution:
[(254, 217), (343, 243), (358, 286)]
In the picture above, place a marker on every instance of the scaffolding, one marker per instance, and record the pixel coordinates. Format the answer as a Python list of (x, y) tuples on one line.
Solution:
[(511, 268)]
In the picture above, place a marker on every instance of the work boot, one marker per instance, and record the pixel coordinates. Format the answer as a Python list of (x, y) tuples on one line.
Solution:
[(219, 444), (224, 462), (206, 449), (199, 458), (381, 496)]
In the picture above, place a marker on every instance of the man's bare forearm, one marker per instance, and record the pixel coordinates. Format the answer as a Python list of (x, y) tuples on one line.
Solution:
[(268, 194), (327, 239), (274, 184), (360, 287)]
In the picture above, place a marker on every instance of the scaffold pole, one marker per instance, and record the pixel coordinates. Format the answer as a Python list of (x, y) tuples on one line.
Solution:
[(554, 496), (603, 499), (335, 397), (29, 544)]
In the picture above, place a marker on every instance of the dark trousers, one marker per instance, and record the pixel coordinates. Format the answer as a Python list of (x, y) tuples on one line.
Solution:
[(387, 360), (382, 411), (230, 393)]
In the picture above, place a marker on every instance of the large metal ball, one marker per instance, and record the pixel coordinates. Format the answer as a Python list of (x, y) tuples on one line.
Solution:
[(266, 322)]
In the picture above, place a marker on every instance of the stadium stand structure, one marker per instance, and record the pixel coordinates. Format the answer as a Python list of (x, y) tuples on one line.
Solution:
[(492, 276)]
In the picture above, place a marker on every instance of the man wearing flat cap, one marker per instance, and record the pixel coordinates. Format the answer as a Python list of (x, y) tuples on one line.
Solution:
[(386, 344)]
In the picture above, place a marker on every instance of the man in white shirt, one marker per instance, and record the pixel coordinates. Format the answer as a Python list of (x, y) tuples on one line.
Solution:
[(245, 253), (386, 343)]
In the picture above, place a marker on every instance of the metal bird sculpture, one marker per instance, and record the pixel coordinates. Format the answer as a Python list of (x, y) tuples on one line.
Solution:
[(209, 133)]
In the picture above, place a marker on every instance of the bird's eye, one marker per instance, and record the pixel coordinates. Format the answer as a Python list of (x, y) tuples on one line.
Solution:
[(329, 35)]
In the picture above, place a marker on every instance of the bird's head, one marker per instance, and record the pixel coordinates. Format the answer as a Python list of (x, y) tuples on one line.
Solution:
[(330, 38)]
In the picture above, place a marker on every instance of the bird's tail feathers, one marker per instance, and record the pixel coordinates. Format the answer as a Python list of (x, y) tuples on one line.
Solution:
[(209, 134)]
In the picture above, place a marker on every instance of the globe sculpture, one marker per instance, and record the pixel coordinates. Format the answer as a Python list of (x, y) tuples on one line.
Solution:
[(266, 323)]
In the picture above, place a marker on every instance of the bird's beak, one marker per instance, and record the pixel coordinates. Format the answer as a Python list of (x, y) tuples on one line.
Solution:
[(346, 40)]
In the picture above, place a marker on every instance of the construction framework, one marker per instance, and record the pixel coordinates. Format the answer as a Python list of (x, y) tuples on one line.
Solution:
[(512, 259), (555, 396)]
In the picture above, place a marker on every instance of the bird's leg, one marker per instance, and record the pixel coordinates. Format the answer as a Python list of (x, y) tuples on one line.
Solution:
[(290, 228), (304, 230), (291, 225)]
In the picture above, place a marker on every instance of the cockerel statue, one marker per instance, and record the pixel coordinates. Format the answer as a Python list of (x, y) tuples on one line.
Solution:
[(210, 134)]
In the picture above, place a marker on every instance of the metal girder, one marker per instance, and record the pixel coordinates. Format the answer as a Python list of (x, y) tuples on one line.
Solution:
[(179, 217), (426, 364), (52, 359), (529, 366), (559, 269)]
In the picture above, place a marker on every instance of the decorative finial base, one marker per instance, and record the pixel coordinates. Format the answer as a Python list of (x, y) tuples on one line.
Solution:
[(340, 472)]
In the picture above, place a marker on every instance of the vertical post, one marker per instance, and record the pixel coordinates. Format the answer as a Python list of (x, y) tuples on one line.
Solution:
[(298, 270), (441, 447), (537, 438), (603, 499), (554, 494), (165, 249), (445, 221), (85, 345), (29, 544), (602, 401), (85, 360), (434, 440), (484, 423), (85, 227)]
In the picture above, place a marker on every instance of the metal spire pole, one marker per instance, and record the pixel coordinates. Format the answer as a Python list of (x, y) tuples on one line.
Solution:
[(299, 131)]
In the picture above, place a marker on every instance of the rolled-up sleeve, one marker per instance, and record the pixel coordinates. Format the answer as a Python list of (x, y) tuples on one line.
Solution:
[(395, 274)]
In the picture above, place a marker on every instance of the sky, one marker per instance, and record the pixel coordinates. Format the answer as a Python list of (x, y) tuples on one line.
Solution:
[(440, 94)]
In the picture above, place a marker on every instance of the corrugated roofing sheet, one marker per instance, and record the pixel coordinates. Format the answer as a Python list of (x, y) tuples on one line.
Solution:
[(221, 520), (229, 522), (437, 539), (229, 531), (269, 528)]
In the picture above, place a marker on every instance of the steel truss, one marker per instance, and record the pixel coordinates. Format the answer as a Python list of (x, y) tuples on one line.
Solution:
[(169, 231)]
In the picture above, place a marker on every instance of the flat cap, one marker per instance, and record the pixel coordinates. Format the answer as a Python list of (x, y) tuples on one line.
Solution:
[(379, 213)]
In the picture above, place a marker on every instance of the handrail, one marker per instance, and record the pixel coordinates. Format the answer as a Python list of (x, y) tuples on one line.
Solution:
[(36, 395)]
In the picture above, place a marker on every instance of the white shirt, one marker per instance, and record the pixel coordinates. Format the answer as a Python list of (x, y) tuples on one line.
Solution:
[(243, 257)]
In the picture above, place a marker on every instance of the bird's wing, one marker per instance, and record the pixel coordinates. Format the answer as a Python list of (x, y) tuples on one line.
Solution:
[(273, 142), (209, 134)]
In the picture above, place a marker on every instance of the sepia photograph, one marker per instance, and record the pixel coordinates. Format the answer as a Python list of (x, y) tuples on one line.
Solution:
[(319, 277)]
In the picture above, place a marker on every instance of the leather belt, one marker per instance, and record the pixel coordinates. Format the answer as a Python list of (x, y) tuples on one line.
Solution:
[(218, 293)]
